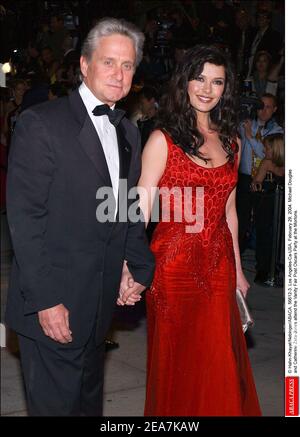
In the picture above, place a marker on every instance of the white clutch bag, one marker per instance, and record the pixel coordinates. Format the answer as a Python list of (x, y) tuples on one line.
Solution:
[(245, 314)]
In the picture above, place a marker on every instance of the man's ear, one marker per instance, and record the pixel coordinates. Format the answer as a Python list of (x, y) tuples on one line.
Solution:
[(275, 109), (83, 66)]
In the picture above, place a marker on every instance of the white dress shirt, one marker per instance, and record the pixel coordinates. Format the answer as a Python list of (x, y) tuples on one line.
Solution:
[(107, 135)]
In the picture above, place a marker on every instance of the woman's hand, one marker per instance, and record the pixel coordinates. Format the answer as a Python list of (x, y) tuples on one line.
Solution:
[(129, 291), (242, 283), (256, 186)]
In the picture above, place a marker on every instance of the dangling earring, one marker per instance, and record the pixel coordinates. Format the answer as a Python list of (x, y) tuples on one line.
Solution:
[(220, 109)]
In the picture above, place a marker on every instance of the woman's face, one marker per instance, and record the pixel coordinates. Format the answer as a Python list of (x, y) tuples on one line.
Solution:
[(206, 91), (262, 63), (19, 90), (268, 151)]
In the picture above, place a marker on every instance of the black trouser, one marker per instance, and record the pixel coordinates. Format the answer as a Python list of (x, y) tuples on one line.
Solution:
[(263, 216), (262, 204), (61, 381), (244, 206)]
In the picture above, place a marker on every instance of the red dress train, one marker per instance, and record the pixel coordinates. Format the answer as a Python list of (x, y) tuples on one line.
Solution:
[(198, 363)]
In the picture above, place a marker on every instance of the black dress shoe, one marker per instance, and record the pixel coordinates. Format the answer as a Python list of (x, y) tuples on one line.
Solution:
[(268, 283), (110, 345)]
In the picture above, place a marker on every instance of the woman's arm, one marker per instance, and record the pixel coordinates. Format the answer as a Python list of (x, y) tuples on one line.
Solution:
[(278, 171), (154, 161), (273, 77), (232, 220), (262, 171), (265, 166)]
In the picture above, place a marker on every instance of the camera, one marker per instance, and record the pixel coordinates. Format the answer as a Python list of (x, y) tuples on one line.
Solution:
[(161, 46), (71, 22), (248, 107)]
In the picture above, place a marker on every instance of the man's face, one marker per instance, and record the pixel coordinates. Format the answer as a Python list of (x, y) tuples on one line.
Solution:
[(242, 19), (20, 90), (268, 110), (109, 72), (55, 24), (262, 20), (47, 56)]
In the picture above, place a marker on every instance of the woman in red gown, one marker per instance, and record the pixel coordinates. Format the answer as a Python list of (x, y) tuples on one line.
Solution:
[(198, 363)]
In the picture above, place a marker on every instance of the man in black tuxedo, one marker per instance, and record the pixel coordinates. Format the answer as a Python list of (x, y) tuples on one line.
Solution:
[(263, 38), (70, 254)]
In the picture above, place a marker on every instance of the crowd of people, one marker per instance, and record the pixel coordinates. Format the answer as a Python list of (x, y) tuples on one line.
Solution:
[(207, 98)]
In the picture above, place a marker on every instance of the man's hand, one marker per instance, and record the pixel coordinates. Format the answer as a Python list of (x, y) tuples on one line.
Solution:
[(55, 323), (248, 129), (131, 295), (126, 279), (256, 186), (129, 292)]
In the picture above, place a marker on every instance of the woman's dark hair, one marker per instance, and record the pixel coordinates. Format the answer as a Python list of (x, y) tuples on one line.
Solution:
[(149, 92), (178, 118)]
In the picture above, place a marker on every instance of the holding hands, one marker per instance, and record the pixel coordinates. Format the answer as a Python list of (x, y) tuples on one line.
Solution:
[(130, 291)]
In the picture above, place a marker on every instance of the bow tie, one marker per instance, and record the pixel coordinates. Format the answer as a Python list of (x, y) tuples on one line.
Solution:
[(114, 115)]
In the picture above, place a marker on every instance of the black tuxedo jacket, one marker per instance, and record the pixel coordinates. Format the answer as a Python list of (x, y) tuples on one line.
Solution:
[(62, 253), (271, 42)]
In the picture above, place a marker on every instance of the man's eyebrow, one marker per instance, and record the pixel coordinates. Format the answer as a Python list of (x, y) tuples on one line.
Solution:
[(112, 59)]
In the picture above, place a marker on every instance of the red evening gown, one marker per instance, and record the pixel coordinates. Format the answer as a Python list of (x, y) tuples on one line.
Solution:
[(198, 363)]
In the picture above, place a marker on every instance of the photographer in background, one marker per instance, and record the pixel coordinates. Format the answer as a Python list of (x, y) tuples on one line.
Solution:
[(252, 132)]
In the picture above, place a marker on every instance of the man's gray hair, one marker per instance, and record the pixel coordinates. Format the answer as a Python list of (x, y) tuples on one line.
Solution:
[(111, 26)]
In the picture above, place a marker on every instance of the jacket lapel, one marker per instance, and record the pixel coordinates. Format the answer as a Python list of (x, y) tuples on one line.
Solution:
[(124, 160), (92, 146), (124, 152), (88, 137)]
